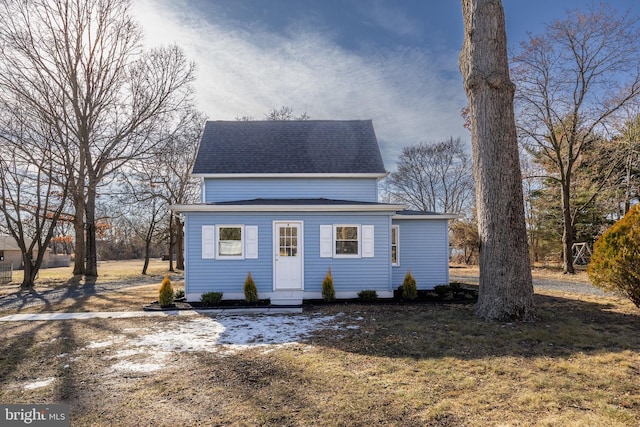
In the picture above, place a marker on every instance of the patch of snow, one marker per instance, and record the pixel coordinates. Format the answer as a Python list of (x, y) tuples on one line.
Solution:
[(136, 367), (100, 344), (225, 335), (39, 384)]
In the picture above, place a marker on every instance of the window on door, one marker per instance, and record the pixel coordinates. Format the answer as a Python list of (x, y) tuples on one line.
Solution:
[(288, 241)]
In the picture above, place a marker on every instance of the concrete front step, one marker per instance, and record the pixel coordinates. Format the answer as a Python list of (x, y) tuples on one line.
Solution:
[(290, 298)]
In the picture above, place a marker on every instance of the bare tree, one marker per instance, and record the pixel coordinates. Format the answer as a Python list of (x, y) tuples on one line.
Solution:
[(284, 113), (506, 290), (571, 81), (80, 65), (433, 177), (30, 201), (164, 180)]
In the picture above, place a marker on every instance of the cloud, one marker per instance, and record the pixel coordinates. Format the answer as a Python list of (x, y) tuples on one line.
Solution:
[(410, 94), (392, 19)]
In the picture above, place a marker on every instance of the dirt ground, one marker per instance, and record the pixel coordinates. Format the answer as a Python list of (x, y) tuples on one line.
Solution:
[(355, 365)]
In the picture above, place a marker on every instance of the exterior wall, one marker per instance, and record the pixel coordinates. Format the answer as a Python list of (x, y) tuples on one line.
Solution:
[(350, 275), (15, 257), (424, 249), (230, 189)]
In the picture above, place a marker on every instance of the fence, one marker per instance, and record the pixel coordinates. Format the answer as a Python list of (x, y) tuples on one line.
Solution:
[(6, 272)]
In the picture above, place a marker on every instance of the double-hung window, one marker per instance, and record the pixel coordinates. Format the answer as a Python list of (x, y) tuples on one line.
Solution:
[(347, 242), (230, 241)]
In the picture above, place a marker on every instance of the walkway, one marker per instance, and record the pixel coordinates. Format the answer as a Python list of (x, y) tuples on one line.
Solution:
[(127, 314)]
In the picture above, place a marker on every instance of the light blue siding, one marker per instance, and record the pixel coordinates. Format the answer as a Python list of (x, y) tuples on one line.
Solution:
[(227, 276), (230, 189), (424, 249)]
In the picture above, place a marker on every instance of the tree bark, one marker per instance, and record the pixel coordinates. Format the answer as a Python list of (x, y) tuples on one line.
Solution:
[(506, 290), (29, 271), (567, 231), (172, 241), (179, 243), (91, 268)]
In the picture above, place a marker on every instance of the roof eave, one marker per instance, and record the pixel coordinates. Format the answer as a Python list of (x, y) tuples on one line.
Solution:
[(431, 216), (286, 208), (377, 175)]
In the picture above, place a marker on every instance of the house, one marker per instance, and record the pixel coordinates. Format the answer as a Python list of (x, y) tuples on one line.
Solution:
[(10, 252), (289, 200)]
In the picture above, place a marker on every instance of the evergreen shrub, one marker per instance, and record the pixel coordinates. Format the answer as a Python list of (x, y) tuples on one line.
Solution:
[(250, 290), (409, 287), (328, 292), (211, 298), (368, 295), (165, 297), (615, 263)]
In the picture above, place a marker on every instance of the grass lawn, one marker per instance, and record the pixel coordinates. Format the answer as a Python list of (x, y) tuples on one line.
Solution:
[(404, 365)]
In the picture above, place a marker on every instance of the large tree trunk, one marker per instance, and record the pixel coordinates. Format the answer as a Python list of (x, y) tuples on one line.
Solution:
[(29, 270), (179, 243), (79, 252), (567, 231), (91, 248), (172, 241), (506, 290)]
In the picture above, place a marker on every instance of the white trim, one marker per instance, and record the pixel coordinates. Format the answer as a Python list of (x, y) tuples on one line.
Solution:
[(335, 239), (397, 228), (432, 216), (242, 240), (298, 208), (378, 175)]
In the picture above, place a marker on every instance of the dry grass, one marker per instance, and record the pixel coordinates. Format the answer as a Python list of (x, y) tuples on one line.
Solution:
[(126, 299), (429, 365), (538, 271)]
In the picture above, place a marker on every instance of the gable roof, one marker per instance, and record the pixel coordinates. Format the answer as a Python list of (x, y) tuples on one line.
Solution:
[(289, 147)]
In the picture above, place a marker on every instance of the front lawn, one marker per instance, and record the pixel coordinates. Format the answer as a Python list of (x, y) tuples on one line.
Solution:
[(404, 365)]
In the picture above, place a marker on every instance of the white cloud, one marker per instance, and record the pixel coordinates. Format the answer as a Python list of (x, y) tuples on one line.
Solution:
[(244, 70)]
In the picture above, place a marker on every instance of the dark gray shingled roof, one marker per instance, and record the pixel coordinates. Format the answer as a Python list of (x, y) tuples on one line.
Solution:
[(292, 146)]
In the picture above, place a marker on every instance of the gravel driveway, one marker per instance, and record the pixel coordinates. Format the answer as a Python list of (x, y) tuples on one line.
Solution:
[(545, 284)]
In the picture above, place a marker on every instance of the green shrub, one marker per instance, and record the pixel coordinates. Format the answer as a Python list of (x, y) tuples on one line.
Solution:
[(328, 292), (211, 298), (409, 288), (250, 290), (165, 297), (443, 291), (368, 295), (615, 263), (178, 293)]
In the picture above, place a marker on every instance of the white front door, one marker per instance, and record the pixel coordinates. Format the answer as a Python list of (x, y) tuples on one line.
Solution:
[(288, 256)]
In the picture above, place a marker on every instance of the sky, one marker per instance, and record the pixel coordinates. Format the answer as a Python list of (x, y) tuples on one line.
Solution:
[(392, 61)]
